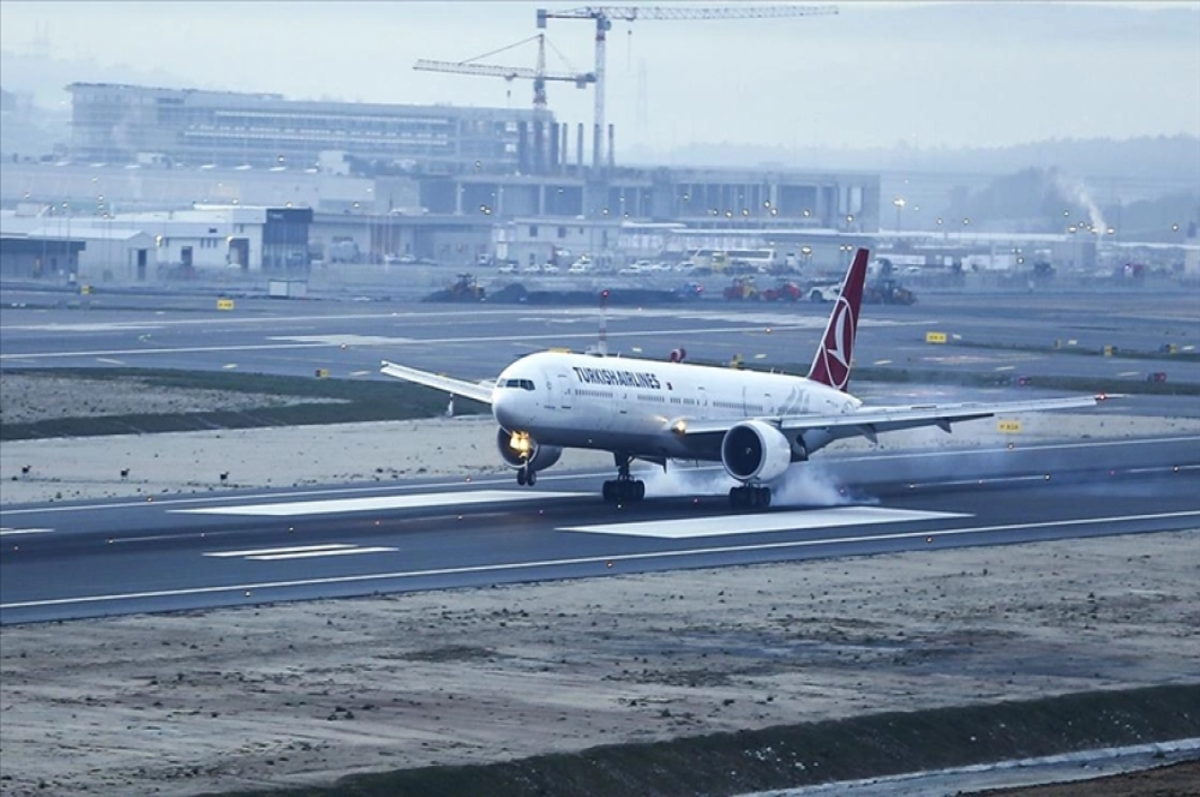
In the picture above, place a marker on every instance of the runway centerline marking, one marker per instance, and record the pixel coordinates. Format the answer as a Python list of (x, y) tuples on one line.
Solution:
[(300, 552), (377, 503), (833, 517), (6, 532), (604, 560)]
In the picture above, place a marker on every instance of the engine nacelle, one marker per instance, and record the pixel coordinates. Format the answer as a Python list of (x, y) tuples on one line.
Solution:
[(755, 451), (518, 449)]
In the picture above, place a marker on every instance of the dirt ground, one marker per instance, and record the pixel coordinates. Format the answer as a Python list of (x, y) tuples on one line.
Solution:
[(302, 693), (180, 704)]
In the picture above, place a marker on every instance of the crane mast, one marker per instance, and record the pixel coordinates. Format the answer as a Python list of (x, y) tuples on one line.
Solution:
[(604, 15)]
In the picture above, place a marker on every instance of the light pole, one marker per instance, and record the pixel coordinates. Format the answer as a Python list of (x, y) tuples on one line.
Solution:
[(899, 202)]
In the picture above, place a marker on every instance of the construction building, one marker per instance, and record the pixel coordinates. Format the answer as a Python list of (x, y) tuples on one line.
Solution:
[(118, 123)]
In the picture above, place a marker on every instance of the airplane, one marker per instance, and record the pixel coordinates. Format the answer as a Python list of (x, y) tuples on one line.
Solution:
[(756, 424)]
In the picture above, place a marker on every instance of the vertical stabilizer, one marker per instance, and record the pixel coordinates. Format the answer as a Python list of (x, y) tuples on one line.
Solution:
[(831, 365)]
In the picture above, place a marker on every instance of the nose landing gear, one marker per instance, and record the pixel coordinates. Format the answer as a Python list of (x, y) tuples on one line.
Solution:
[(526, 476), (625, 488)]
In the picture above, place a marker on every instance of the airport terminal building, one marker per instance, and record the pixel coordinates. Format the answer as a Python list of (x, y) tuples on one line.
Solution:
[(119, 123)]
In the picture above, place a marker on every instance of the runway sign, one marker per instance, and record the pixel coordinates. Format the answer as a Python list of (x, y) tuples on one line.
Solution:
[(377, 503), (799, 520), (935, 337)]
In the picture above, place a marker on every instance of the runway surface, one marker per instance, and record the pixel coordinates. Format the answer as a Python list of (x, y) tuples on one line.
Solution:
[(64, 561)]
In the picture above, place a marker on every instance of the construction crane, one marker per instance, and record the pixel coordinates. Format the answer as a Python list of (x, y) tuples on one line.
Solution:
[(604, 15), (538, 74)]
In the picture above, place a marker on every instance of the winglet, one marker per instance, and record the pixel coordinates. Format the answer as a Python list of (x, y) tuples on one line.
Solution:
[(831, 365)]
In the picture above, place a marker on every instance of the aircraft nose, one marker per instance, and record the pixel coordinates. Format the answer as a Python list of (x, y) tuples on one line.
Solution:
[(506, 408)]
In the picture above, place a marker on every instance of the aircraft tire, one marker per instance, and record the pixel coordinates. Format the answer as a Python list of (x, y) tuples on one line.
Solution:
[(521, 476), (531, 478), (639, 490), (609, 492)]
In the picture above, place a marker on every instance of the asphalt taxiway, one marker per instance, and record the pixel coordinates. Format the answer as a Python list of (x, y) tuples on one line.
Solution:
[(62, 561), (999, 335)]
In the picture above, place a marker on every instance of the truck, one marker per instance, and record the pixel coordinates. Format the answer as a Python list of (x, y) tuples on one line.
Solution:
[(741, 288), (887, 291), (823, 292), (344, 251), (783, 291)]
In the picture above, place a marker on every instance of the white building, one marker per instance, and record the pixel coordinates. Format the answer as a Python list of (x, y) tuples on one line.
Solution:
[(109, 254)]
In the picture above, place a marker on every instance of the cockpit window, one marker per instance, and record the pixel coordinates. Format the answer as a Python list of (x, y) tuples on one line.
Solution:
[(523, 384)]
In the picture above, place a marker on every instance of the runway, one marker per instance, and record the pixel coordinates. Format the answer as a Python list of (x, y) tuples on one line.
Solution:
[(63, 561)]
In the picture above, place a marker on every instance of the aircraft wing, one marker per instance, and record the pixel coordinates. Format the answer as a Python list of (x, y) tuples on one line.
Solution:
[(456, 387), (868, 421)]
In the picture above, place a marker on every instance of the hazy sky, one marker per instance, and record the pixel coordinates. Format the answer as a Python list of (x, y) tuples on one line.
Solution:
[(877, 73)]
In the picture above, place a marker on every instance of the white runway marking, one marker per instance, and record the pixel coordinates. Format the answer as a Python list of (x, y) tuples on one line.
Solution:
[(346, 340), (5, 532), (602, 560), (687, 528), (300, 552), (376, 503)]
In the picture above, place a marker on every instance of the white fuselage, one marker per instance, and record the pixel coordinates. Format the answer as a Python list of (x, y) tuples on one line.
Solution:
[(640, 406)]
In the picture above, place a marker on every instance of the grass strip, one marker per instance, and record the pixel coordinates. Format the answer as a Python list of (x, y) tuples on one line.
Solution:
[(789, 756)]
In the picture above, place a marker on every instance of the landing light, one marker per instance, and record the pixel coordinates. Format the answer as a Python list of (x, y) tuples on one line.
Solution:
[(679, 427)]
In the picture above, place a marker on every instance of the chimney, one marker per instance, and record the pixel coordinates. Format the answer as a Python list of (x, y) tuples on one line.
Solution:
[(610, 147), (523, 147), (552, 161), (597, 149), (562, 150), (579, 150), (539, 147)]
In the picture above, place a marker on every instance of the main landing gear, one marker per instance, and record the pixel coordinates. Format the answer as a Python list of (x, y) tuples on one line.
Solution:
[(625, 488), (750, 496), (526, 475)]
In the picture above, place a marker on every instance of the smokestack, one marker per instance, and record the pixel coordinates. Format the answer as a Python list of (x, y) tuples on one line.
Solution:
[(610, 147), (523, 147), (552, 164), (562, 150), (579, 150), (539, 148), (597, 149)]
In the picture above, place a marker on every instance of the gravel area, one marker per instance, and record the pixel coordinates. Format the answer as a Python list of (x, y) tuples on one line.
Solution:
[(181, 704), (27, 399)]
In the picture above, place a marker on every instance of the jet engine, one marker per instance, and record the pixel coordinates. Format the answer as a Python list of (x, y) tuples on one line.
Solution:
[(519, 449), (754, 451)]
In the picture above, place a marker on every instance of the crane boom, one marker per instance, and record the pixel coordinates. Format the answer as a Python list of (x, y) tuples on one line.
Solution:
[(496, 70), (633, 13), (604, 15)]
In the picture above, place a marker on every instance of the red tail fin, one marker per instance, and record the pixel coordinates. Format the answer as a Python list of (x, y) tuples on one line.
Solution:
[(831, 365)]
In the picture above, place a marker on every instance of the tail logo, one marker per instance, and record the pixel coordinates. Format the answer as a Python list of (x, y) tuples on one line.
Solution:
[(838, 345)]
